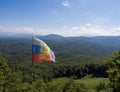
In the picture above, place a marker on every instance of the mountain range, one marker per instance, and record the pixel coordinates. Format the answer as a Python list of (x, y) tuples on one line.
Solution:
[(96, 46), (67, 46)]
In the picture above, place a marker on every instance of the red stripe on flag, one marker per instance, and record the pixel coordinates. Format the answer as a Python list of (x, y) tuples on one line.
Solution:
[(40, 58)]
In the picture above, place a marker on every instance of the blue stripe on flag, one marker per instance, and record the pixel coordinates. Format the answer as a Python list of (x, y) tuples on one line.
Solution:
[(36, 49)]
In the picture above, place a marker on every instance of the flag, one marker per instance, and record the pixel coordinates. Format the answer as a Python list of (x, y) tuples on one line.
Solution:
[(41, 52)]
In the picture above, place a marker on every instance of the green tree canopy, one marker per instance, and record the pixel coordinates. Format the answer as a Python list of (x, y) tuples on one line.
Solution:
[(5, 74), (114, 71)]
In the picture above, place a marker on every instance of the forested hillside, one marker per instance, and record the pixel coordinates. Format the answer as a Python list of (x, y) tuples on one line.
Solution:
[(76, 57), (70, 52)]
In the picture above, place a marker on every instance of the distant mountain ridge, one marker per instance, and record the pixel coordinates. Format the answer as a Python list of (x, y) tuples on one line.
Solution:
[(23, 35), (97, 45), (53, 36), (91, 46)]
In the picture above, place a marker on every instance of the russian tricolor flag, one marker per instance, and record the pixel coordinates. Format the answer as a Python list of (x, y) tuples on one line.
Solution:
[(41, 52)]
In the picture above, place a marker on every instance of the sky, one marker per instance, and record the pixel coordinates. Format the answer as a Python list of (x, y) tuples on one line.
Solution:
[(63, 17)]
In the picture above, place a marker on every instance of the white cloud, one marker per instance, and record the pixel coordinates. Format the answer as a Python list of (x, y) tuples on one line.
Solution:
[(88, 24), (75, 28), (91, 30), (29, 30), (65, 27), (116, 30), (16, 30), (87, 30), (25, 30), (66, 3)]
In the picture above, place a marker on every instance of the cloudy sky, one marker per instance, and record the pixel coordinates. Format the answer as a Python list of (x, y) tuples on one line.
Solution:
[(63, 17)]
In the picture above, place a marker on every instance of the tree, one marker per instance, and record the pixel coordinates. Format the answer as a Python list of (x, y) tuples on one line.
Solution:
[(25, 87), (114, 71), (40, 85), (16, 82), (70, 86), (11, 81), (5, 74), (101, 86)]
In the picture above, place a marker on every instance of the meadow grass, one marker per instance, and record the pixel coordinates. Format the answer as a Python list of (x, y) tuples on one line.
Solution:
[(91, 83)]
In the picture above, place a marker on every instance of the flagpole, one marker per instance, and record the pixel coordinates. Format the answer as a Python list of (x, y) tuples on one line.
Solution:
[(33, 77), (32, 72)]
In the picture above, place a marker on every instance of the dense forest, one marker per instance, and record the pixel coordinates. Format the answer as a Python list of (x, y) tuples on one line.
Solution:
[(78, 59)]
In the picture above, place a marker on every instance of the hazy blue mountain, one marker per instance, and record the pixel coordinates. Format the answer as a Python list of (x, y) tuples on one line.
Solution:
[(53, 36), (63, 46), (98, 45), (11, 35), (111, 43)]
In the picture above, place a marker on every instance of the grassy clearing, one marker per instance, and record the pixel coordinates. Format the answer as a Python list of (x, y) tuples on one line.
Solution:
[(90, 83)]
